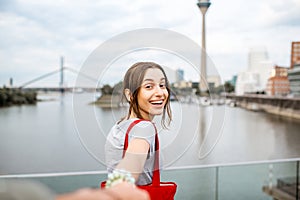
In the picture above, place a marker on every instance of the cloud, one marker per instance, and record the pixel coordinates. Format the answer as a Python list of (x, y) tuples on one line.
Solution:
[(280, 13), (34, 34)]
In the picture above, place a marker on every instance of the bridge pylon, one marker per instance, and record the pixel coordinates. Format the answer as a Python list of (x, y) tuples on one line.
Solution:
[(61, 83)]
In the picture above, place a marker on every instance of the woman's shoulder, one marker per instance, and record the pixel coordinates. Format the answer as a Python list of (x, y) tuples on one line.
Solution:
[(140, 122), (145, 124), (144, 128)]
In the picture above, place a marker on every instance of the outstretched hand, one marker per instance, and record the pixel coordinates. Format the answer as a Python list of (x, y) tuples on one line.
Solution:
[(121, 191)]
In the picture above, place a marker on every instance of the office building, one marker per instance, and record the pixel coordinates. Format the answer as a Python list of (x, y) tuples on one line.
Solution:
[(259, 63), (247, 82), (294, 71), (278, 83), (179, 75), (295, 54)]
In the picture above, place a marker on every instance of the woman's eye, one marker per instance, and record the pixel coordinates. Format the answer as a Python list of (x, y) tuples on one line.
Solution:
[(162, 85), (148, 86)]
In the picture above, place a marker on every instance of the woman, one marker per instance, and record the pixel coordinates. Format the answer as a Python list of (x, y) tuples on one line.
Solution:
[(146, 89)]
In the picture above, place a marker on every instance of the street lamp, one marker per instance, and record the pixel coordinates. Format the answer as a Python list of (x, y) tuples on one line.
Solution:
[(203, 5)]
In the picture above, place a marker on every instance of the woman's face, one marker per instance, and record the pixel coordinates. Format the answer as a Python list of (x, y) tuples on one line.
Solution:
[(153, 94)]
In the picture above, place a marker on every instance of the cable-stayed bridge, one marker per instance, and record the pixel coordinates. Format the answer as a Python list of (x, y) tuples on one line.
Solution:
[(61, 87)]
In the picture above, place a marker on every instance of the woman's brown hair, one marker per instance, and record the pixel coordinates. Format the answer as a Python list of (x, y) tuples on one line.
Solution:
[(133, 80)]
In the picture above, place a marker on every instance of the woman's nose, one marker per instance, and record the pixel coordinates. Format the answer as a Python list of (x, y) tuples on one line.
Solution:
[(159, 90)]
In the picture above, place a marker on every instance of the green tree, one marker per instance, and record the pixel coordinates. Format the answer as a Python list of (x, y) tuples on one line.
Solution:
[(229, 87), (106, 89)]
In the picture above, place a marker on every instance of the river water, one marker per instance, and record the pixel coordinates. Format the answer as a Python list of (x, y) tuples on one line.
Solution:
[(66, 134), (214, 152)]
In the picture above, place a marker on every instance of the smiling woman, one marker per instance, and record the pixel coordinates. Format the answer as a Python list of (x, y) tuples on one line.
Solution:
[(132, 144), (146, 89)]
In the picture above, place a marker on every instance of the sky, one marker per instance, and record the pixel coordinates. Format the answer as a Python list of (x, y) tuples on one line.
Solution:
[(35, 34)]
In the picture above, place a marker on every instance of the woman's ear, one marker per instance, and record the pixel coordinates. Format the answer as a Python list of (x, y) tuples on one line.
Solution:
[(127, 94)]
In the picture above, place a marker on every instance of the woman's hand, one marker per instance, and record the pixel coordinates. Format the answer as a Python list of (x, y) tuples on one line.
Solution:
[(129, 191), (121, 191)]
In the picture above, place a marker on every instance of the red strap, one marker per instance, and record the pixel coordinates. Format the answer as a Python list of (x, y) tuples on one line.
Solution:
[(156, 172)]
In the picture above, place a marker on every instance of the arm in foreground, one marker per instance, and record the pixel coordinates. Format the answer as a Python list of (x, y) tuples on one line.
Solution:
[(32, 190), (121, 191)]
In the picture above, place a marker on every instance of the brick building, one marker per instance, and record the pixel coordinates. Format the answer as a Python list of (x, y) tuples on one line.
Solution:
[(278, 84), (295, 54), (294, 71)]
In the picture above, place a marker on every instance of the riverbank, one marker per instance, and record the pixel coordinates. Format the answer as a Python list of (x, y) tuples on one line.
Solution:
[(108, 101), (281, 106), (276, 110), (10, 97)]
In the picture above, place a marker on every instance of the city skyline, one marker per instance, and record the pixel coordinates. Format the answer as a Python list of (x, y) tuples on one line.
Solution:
[(35, 34)]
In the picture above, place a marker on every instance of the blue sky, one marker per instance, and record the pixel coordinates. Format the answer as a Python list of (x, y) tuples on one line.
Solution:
[(34, 34)]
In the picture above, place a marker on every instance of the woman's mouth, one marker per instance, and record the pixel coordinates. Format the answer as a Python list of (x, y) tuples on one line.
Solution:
[(157, 102)]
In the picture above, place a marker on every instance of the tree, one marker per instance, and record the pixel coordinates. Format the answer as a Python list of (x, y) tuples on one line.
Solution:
[(228, 87), (115, 90), (106, 89)]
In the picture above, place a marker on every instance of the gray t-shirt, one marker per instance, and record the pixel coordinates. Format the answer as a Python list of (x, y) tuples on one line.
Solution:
[(115, 143)]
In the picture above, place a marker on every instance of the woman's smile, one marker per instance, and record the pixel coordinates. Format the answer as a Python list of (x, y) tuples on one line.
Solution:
[(157, 102)]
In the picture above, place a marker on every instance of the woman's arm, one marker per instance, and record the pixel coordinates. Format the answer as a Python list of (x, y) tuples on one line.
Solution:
[(121, 191), (135, 157)]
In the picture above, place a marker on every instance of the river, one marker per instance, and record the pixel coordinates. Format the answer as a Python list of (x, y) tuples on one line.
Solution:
[(65, 134)]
